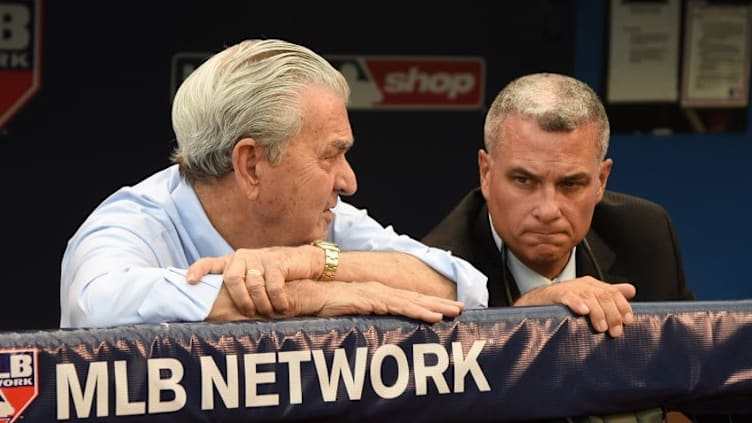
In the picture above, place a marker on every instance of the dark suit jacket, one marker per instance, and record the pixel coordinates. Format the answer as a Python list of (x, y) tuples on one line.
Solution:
[(632, 239)]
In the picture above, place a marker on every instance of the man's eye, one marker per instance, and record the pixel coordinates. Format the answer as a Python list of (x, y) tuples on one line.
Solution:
[(571, 185), (522, 180)]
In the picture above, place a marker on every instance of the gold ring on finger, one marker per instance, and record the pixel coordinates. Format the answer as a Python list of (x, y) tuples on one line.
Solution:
[(254, 272)]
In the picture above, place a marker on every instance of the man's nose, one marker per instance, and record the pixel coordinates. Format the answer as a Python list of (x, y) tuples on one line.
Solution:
[(345, 182), (547, 207)]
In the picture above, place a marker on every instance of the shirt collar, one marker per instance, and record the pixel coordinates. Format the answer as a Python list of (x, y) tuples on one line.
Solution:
[(204, 236)]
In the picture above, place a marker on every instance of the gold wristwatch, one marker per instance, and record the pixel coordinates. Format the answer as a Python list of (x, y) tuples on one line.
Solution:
[(331, 259)]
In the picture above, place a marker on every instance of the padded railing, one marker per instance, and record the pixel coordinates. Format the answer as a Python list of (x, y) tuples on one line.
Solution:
[(505, 364)]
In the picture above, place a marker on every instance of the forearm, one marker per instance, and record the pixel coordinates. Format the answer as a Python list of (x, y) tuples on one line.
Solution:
[(398, 270), (336, 298)]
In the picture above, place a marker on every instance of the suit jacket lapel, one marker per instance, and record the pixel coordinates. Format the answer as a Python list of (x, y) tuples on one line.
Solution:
[(489, 262), (605, 257)]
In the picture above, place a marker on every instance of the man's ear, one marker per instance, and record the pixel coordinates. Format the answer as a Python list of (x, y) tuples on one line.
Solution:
[(247, 158), (484, 167), (603, 173)]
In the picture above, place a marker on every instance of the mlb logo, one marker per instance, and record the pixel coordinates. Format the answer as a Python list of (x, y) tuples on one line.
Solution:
[(413, 82), (18, 382)]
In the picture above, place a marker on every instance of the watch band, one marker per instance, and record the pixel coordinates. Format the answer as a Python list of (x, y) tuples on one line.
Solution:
[(331, 259)]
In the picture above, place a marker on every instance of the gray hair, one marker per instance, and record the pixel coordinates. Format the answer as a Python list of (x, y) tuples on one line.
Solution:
[(558, 103), (251, 89)]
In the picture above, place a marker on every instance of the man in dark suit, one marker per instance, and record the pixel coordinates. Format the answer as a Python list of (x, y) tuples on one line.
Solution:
[(542, 226)]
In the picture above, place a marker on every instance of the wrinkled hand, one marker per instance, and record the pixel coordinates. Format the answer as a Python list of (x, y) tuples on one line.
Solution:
[(335, 298), (255, 279), (606, 304)]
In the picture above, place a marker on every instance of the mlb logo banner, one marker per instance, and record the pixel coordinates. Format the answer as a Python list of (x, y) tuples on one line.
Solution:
[(18, 382), (413, 82), (20, 63)]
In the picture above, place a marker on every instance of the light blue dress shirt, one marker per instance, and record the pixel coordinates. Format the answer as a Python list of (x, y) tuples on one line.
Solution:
[(126, 264)]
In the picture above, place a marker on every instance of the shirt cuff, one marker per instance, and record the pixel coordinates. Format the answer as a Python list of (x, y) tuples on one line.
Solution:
[(174, 299)]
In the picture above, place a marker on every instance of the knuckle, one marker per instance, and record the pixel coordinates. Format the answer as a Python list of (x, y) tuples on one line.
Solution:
[(257, 289)]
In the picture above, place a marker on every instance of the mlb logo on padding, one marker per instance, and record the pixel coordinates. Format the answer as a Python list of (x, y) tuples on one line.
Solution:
[(18, 382)]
